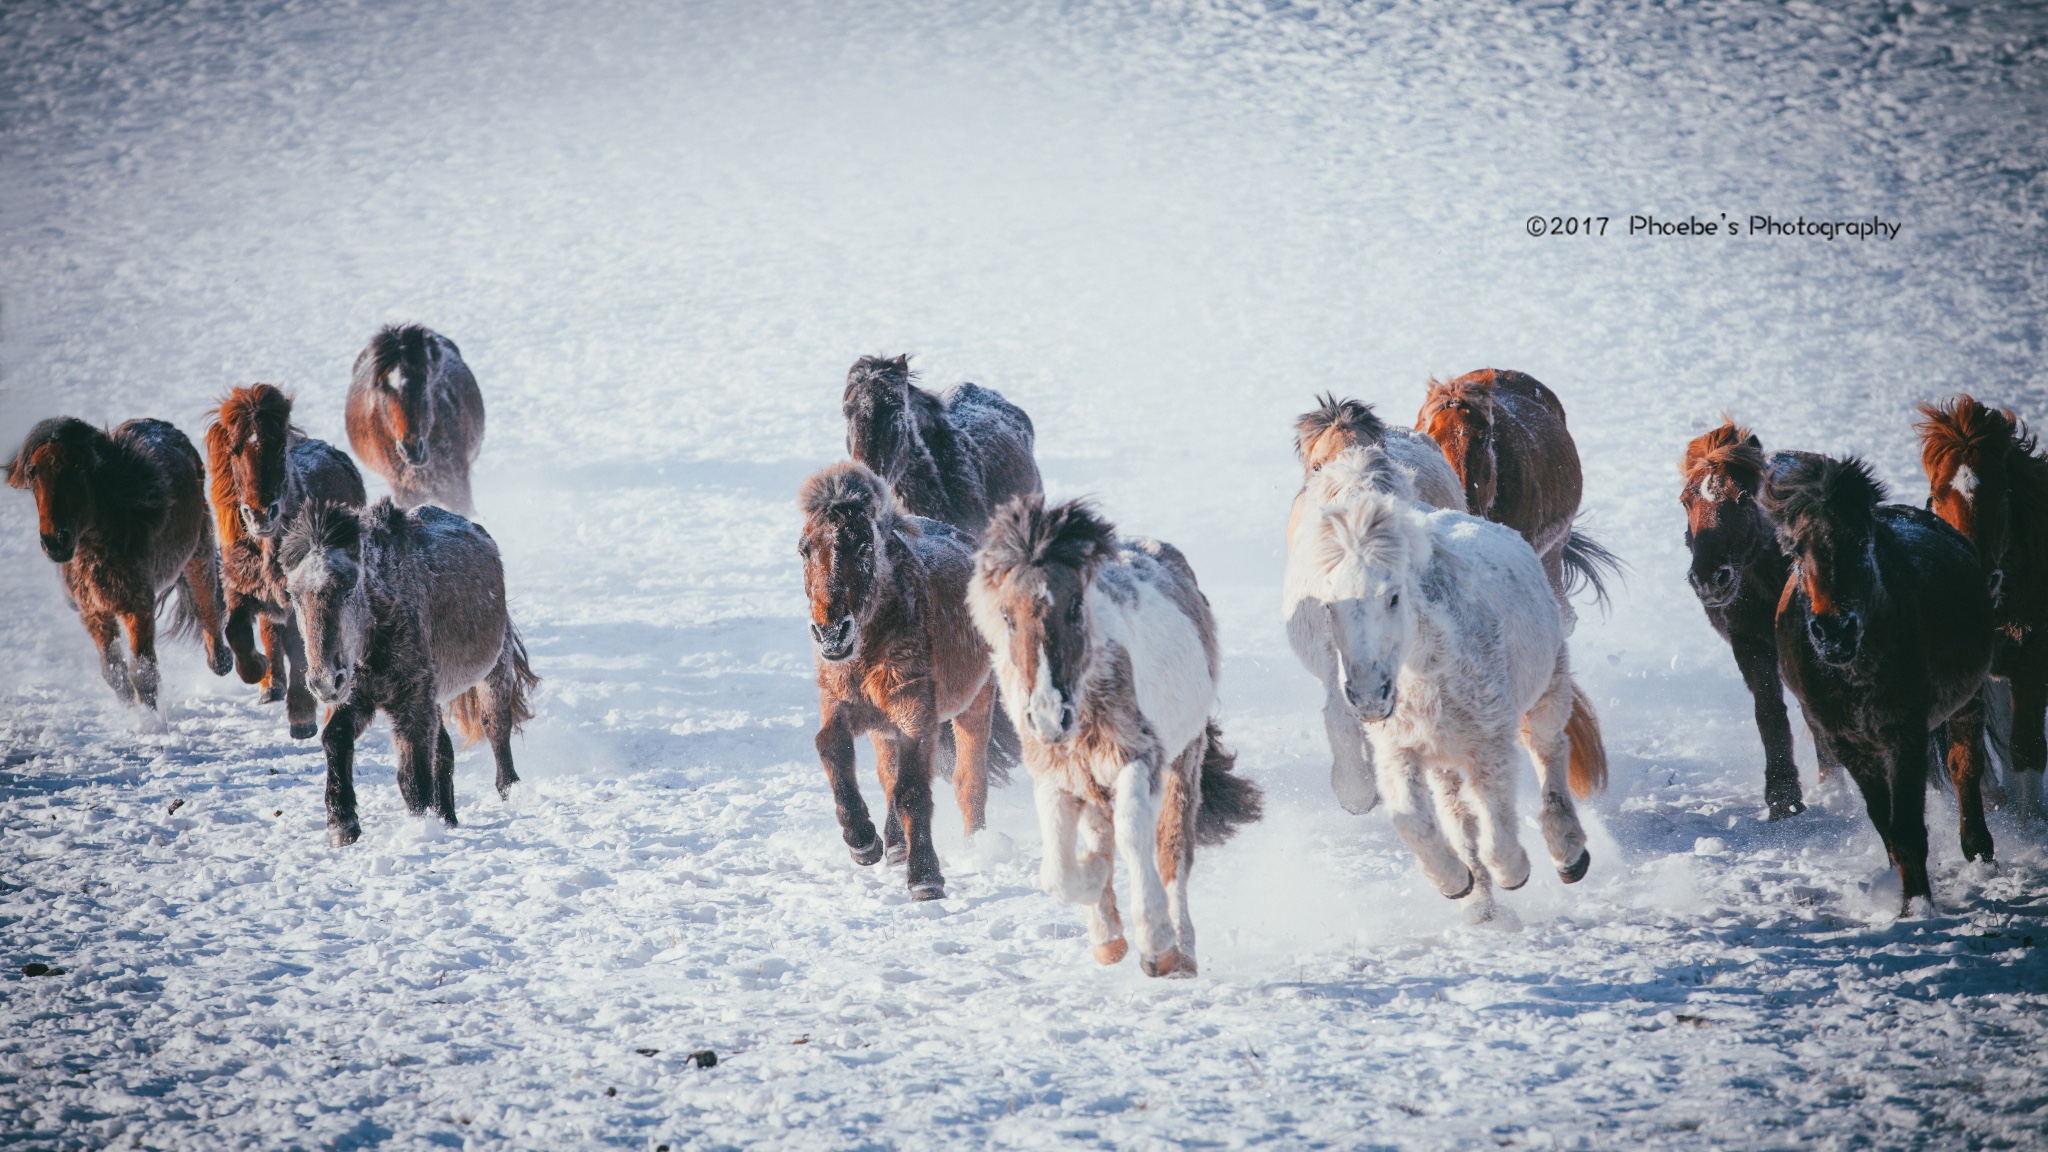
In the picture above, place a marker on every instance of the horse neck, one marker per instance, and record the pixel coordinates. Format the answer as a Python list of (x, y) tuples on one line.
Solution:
[(126, 502)]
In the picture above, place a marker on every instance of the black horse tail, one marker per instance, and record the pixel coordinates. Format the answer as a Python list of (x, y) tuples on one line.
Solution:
[(1588, 564), (1229, 801)]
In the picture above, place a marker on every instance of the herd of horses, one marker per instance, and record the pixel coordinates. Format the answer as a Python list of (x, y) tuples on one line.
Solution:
[(965, 625)]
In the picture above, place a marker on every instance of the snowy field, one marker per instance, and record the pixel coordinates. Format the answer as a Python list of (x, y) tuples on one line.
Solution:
[(661, 233)]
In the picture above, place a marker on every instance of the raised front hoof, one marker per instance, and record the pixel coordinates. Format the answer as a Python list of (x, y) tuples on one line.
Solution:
[(1977, 847), (222, 662), (928, 890), (343, 835), (1785, 810), (1576, 871), (1516, 886), (1471, 879), (1111, 951), (254, 670), (1163, 964), (898, 853), (867, 854), (271, 694), (304, 729)]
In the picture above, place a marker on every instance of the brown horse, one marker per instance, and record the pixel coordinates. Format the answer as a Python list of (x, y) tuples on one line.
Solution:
[(1988, 480), (415, 416), (954, 457), (1504, 433), (1884, 633), (124, 513), (264, 471), (897, 657)]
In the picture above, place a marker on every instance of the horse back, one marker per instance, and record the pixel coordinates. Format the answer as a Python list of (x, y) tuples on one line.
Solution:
[(461, 581), (1486, 584), (1147, 603), (326, 474), (1932, 574), (999, 439), (1536, 463)]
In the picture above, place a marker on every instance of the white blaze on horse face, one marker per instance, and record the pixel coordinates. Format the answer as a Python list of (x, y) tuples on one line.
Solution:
[(1371, 632), (1708, 490), (1044, 708), (1964, 482)]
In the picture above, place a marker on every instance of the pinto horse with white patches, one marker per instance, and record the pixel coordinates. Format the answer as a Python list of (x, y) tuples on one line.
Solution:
[(416, 417), (1107, 654), (1446, 644)]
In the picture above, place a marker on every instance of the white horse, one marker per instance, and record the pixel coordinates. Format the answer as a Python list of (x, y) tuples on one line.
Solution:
[(1446, 645), (1107, 656)]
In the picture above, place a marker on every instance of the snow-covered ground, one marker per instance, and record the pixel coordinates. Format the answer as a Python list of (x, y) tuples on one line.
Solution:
[(660, 233)]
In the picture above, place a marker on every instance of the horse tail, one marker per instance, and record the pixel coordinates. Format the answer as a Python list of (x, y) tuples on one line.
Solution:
[(1587, 563), (1228, 800), (1588, 773), (508, 690), (1005, 750)]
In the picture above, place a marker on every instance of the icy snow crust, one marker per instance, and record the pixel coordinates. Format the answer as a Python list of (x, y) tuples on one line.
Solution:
[(660, 234)]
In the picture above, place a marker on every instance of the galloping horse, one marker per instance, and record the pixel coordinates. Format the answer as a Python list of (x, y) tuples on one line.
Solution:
[(954, 457), (1884, 633), (124, 513), (1988, 480), (1505, 434), (1107, 654), (264, 471), (897, 657), (415, 416), (1445, 644), (404, 612)]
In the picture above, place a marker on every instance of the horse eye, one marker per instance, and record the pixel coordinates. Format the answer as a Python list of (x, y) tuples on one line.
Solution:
[(1074, 611), (1007, 622)]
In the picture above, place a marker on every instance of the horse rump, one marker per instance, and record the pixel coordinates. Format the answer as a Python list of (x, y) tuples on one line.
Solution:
[(1588, 772), (1229, 801), (1588, 564), (507, 690)]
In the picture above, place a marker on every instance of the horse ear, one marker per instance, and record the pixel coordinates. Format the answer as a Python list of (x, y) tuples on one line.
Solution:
[(17, 471), (1755, 442), (903, 361)]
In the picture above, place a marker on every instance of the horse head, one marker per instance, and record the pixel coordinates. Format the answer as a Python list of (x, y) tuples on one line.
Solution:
[(58, 462), (1332, 427), (849, 515), (246, 450), (1724, 526), (328, 582), (1825, 512), (401, 408), (1459, 416), (1371, 551), (879, 421), (1030, 593), (1967, 451)]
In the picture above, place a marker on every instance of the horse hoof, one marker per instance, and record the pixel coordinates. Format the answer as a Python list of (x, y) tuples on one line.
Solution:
[(343, 835), (1162, 964), (1784, 810), (252, 671), (1471, 879), (222, 663), (1111, 951), (868, 853), (1577, 871), (270, 695), (928, 890), (898, 853), (1518, 886), (304, 729)]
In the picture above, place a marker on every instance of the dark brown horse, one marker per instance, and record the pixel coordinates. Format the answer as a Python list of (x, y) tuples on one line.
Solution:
[(1884, 633), (415, 416), (1504, 434), (265, 470), (404, 612), (124, 513), (897, 657), (954, 457), (1739, 572), (1988, 480)]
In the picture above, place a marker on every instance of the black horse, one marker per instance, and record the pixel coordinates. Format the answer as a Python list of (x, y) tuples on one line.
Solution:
[(1884, 633)]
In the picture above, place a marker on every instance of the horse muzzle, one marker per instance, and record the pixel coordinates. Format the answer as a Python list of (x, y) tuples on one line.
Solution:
[(413, 451), (837, 642), (1370, 705), (328, 686), (1716, 589), (59, 546), (1836, 639), (1055, 725), (262, 522)]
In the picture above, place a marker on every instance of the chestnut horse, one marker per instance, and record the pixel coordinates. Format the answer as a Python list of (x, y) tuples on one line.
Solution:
[(1987, 478), (124, 513), (954, 457), (415, 416), (1108, 657), (1738, 572), (265, 470), (1884, 632), (1504, 433), (897, 657)]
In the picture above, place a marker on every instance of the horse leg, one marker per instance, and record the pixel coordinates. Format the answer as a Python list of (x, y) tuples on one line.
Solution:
[(413, 730), (970, 758), (2029, 742), (1908, 823), (202, 589), (1066, 876), (1965, 772), (1351, 774), (241, 637), (1135, 813), (1757, 658), (299, 705), (1177, 848), (1413, 812), (895, 847), (444, 776), (1544, 735), (910, 801), (276, 675), (105, 630), (1553, 567), (1487, 796), (835, 752), (339, 742), (142, 670)]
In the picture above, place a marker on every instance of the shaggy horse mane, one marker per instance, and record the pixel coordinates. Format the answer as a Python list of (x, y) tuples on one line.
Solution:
[(1810, 493), (1960, 432), (120, 476), (1373, 528), (400, 344), (848, 489), (246, 411), (1353, 417), (1731, 450), (321, 527), (891, 370), (1024, 533)]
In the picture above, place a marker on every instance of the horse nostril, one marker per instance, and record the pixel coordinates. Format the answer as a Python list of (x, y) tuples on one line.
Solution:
[(276, 506)]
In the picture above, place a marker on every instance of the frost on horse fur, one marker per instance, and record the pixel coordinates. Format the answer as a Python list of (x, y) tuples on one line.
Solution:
[(1437, 633), (1106, 650)]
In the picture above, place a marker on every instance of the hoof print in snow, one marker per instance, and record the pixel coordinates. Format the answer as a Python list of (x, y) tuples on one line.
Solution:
[(1577, 871), (33, 969), (647, 1051), (704, 1058)]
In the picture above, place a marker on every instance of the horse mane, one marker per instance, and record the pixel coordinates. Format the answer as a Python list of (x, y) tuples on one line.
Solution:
[(1368, 468), (1024, 533), (1731, 450), (1960, 431), (321, 527), (1372, 528), (1473, 388), (1355, 418), (1808, 493), (243, 413), (123, 480), (397, 345), (853, 489)]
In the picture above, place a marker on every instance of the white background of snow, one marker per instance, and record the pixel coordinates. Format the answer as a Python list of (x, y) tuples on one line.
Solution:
[(660, 233)]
